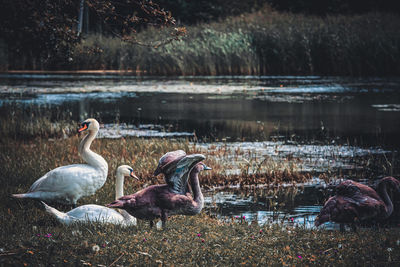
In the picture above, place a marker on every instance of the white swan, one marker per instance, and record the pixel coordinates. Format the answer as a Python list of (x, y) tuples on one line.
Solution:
[(96, 213), (67, 184)]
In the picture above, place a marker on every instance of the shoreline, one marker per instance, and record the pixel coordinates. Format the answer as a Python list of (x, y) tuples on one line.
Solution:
[(72, 72)]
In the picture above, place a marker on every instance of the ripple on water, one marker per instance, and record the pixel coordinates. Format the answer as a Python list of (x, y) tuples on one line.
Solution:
[(387, 107), (144, 130)]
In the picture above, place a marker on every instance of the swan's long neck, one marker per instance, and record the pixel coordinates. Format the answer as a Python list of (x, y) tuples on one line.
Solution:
[(119, 186), (388, 202), (60, 216), (119, 192), (89, 156), (197, 194)]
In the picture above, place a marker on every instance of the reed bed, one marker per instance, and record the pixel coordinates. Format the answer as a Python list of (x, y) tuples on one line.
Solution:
[(19, 122), (266, 42), (35, 134), (31, 159)]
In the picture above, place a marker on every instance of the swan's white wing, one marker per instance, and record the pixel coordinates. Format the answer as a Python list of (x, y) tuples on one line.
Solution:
[(91, 213), (95, 213), (76, 179)]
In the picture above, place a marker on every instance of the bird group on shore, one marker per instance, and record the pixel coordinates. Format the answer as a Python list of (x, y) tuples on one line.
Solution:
[(353, 203), (67, 184)]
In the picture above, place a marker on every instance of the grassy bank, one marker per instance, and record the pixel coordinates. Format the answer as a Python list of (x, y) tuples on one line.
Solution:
[(262, 43), (30, 237)]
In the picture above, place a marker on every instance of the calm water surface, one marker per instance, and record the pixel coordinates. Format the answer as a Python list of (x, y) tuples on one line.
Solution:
[(361, 111), (326, 122)]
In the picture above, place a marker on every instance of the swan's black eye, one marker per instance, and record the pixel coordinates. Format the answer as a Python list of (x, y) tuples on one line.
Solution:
[(84, 126)]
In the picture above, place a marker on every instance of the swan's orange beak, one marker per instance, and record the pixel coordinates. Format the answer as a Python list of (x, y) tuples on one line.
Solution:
[(84, 127), (134, 176)]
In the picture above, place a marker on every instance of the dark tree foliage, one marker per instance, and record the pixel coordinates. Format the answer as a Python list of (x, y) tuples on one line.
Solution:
[(39, 28), (325, 7), (39, 34), (194, 11), (45, 31)]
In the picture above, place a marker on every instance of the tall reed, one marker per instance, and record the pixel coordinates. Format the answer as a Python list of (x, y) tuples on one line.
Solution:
[(261, 43)]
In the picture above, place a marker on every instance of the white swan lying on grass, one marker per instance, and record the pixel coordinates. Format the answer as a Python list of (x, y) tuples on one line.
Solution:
[(97, 213)]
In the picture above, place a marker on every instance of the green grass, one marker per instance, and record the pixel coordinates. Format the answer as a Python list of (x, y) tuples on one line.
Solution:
[(187, 241)]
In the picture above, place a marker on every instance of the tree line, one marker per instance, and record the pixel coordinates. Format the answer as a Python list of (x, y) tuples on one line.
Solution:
[(43, 34)]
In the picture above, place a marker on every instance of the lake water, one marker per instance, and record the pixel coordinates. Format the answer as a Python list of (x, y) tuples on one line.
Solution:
[(297, 206), (327, 123)]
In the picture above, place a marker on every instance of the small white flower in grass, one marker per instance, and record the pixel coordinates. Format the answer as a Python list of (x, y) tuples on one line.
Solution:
[(389, 249), (96, 248), (339, 246), (34, 228)]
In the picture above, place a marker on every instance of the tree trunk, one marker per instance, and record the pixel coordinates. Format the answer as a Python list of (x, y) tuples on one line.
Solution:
[(80, 17)]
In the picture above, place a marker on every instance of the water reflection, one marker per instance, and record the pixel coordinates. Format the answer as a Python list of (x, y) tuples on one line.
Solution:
[(294, 207)]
